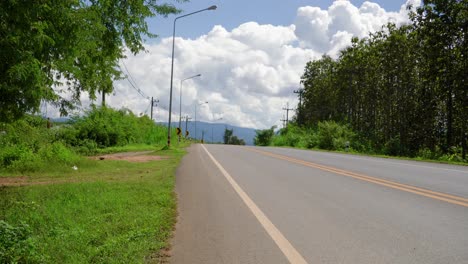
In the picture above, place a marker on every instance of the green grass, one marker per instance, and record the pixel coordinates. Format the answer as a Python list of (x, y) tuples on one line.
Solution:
[(105, 212)]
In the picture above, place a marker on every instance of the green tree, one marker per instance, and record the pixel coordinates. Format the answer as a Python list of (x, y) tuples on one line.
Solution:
[(402, 89), (73, 45), (237, 141), (228, 133), (319, 91), (441, 28), (264, 137)]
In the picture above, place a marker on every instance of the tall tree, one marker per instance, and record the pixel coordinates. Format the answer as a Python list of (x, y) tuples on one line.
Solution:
[(74, 43), (402, 88), (442, 27)]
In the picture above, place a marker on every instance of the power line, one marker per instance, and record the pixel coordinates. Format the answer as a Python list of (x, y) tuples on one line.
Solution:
[(129, 74), (133, 84)]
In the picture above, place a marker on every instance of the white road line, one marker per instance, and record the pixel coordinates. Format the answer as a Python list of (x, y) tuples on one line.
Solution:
[(288, 250)]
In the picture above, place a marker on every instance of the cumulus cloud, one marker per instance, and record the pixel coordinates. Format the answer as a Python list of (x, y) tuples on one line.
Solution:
[(330, 30), (248, 74)]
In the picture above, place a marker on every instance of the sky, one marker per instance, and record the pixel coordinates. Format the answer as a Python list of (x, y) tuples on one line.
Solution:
[(250, 55)]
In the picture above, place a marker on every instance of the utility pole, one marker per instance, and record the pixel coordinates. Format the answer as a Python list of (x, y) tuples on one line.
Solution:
[(300, 92), (299, 112), (153, 104), (283, 120), (287, 112), (187, 118)]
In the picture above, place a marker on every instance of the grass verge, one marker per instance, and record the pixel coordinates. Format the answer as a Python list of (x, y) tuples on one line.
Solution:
[(107, 211)]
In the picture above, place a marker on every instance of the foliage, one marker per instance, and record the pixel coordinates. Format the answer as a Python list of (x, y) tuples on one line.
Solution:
[(28, 145), (227, 135), (108, 127), (231, 139), (237, 141), (263, 137), (76, 44), (333, 136), (104, 127), (402, 90), (16, 244), (327, 135)]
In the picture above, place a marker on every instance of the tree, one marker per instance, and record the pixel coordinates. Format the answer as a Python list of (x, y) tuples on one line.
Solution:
[(237, 141), (230, 139), (228, 135), (442, 28), (73, 43), (402, 89), (264, 137)]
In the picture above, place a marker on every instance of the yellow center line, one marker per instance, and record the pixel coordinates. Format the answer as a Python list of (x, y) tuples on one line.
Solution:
[(395, 185)]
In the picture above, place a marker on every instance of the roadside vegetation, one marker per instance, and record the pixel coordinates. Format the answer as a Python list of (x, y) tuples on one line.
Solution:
[(74, 209), (332, 136), (231, 139), (401, 91)]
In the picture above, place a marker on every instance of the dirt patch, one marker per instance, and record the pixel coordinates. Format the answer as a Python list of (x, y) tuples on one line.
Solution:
[(140, 156), (18, 181), (14, 181)]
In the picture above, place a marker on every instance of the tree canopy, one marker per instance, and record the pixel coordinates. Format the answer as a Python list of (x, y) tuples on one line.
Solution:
[(74, 45), (403, 88), (231, 139), (264, 137)]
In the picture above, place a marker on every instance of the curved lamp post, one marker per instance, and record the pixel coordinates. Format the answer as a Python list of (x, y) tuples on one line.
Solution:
[(172, 69), (180, 99), (196, 117)]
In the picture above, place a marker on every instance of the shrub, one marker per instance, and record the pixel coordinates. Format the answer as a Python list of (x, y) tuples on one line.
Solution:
[(28, 145), (264, 137), (333, 136), (57, 151), (16, 244), (108, 127)]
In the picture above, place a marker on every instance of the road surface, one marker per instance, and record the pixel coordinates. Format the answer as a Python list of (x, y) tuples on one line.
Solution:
[(276, 205)]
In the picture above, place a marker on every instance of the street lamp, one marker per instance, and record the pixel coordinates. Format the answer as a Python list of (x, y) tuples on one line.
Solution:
[(172, 70), (196, 117), (180, 99)]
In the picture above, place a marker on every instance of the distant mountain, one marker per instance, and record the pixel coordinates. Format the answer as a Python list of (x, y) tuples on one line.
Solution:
[(214, 132)]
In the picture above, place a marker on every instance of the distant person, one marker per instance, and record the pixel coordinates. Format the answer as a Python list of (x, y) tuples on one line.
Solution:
[(49, 123)]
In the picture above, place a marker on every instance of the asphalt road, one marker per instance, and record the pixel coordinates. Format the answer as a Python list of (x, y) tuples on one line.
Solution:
[(275, 205)]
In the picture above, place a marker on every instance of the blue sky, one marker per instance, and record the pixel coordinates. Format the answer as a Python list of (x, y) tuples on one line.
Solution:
[(232, 13)]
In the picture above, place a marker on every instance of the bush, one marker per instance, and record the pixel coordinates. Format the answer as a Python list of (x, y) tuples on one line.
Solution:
[(107, 127), (57, 151), (264, 137), (16, 244), (27, 145), (393, 147), (333, 136), (327, 135), (426, 153)]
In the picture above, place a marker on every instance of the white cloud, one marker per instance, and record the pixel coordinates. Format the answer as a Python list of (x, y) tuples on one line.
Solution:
[(329, 30), (249, 73)]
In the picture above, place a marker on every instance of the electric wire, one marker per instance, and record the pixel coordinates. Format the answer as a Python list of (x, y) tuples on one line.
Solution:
[(133, 84)]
